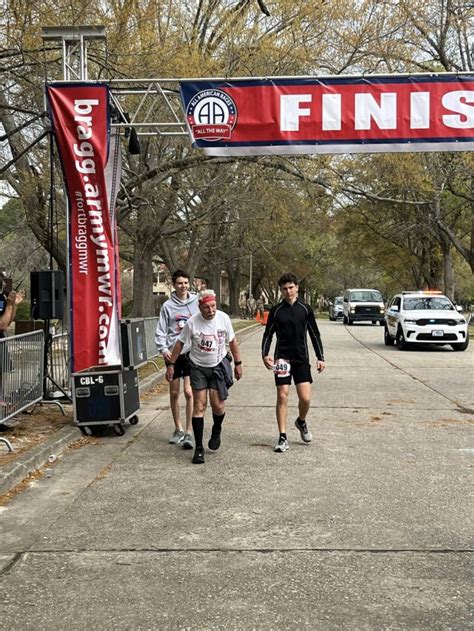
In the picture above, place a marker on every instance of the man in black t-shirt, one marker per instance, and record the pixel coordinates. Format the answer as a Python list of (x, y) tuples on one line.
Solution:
[(292, 320)]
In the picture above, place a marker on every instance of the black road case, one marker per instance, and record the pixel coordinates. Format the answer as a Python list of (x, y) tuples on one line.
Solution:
[(105, 397), (133, 342)]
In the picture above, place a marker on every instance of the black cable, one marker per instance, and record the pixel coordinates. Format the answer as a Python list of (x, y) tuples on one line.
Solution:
[(16, 158), (19, 110), (17, 129)]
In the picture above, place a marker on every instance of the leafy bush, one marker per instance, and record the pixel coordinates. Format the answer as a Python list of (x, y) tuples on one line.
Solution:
[(23, 311), (127, 308)]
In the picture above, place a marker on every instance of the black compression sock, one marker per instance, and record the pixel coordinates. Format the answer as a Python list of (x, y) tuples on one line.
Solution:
[(282, 435), (198, 428), (217, 418)]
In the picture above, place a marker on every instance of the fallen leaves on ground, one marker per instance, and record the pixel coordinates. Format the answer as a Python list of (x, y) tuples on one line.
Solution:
[(32, 429), (24, 484)]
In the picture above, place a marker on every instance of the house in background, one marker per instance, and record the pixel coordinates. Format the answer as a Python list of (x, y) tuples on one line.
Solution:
[(162, 285), (161, 280)]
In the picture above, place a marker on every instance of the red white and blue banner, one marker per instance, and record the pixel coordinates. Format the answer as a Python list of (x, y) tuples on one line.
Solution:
[(91, 162), (331, 115)]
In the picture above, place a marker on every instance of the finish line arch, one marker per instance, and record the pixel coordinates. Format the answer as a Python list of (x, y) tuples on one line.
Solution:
[(251, 116), (224, 117)]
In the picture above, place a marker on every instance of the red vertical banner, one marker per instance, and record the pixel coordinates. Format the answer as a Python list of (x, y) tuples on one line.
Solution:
[(91, 167)]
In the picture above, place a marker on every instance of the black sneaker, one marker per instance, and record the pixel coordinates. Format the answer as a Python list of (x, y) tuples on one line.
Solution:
[(303, 430), (215, 440), (198, 457)]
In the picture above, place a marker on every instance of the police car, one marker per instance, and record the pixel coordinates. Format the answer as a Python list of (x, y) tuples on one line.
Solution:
[(425, 317)]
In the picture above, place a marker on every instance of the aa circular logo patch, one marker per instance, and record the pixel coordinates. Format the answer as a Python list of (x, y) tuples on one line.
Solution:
[(211, 115)]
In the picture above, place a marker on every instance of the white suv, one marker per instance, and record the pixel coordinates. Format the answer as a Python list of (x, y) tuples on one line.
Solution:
[(363, 304), (425, 317)]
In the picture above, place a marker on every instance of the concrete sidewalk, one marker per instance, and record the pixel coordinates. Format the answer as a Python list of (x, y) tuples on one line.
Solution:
[(369, 527), (28, 462)]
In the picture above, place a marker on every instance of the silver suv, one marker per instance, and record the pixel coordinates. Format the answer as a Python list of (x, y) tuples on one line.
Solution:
[(336, 309), (425, 317)]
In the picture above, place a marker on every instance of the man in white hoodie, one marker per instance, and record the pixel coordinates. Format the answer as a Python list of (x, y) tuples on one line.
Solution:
[(174, 314)]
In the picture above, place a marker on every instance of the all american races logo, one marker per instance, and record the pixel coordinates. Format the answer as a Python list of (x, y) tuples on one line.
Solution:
[(211, 115)]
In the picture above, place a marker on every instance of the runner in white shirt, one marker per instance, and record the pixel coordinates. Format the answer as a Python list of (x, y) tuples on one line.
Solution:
[(208, 334), (207, 338)]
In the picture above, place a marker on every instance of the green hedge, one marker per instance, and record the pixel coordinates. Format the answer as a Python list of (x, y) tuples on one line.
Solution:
[(23, 311)]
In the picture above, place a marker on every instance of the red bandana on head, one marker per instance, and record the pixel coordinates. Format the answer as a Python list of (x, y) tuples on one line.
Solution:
[(208, 298)]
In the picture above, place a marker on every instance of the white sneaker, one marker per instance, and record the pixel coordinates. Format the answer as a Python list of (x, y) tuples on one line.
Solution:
[(188, 441), (282, 445), (177, 437), (303, 430)]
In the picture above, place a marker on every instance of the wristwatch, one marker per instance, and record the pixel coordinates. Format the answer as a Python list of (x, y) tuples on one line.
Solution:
[(237, 363)]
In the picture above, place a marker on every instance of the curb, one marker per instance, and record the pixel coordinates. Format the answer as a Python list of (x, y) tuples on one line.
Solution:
[(34, 459), (151, 381)]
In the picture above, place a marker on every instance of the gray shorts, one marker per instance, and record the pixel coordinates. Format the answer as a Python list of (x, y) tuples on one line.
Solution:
[(202, 378)]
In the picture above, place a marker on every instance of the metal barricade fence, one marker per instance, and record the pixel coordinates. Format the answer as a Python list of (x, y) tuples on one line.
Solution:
[(21, 373), (59, 367), (150, 328)]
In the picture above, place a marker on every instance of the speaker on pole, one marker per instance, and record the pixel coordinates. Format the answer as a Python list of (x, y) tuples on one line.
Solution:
[(47, 295)]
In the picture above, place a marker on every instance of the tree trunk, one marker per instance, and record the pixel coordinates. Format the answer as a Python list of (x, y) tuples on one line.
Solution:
[(417, 276), (142, 282), (214, 282), (234, 287), (431, 267), (448, 270)]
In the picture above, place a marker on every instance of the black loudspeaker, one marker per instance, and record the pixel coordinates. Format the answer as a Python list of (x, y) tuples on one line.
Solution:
[(133, 342), (47, 295)]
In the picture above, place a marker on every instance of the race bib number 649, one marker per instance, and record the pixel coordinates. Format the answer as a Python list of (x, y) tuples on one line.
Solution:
[(282, 368)]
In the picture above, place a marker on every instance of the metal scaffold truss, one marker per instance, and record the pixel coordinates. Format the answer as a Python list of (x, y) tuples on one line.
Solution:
[(418, 113), (150, 106)]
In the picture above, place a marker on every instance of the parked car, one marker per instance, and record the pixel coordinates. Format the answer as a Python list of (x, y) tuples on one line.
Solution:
[(425, 317), (336, 309), (363, 304)]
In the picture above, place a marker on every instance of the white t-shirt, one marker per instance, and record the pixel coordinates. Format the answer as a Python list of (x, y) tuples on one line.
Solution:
[(207, 338)]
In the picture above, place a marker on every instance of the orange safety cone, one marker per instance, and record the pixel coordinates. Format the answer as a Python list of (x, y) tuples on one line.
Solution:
[(257, 316), (265, 318)]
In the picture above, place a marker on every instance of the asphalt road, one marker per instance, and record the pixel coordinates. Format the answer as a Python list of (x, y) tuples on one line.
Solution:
[(369, 527)]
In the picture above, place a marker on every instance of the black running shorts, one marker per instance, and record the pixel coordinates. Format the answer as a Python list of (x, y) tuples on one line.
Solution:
[(300, 372), (181, 367)]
